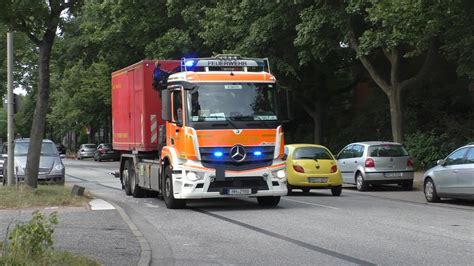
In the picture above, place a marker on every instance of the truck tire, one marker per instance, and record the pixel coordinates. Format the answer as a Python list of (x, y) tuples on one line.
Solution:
[(168, 194), (268, 201), (126, 177), (135, 189)]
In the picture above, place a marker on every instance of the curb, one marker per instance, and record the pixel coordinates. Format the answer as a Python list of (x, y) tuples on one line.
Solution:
[(145, 254)]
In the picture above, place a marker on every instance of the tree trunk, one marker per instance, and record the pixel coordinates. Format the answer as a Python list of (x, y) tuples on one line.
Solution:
[(317, 123), (39, 117), (396, 114)]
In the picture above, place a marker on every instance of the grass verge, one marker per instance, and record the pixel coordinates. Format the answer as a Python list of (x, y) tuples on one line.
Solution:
[(22, 196)]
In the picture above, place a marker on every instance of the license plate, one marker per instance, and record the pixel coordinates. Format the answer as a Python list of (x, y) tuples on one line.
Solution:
[(393, 174), (317, 180), (239, 191)]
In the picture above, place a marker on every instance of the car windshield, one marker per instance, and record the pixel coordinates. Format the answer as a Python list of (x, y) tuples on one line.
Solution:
[(313, 153), (47, 149), (387, 151), (89, 146), (233, 101)]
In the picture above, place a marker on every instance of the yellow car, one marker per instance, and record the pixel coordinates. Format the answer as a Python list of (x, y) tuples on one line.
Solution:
[(312, 166)]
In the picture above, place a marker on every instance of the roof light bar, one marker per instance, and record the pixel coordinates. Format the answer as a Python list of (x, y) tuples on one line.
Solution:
[(226, 61)]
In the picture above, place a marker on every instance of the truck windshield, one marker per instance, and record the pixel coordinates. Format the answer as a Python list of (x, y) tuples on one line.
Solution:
[(233, 101)]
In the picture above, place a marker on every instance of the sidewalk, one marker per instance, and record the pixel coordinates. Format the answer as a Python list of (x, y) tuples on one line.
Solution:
[(100, 234)]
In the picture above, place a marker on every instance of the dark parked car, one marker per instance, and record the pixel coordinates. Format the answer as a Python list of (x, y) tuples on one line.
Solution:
[(453, 177), (106, 152), (61, 148)]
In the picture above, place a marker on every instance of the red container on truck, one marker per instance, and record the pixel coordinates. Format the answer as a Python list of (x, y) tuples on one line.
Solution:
[(136, 106)]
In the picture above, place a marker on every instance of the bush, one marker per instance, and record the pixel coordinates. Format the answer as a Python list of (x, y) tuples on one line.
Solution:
[(32, 239), (427, 147), (31, 243)]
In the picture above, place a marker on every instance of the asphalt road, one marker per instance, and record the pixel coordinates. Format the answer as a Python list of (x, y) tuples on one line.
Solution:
[(385, 226)]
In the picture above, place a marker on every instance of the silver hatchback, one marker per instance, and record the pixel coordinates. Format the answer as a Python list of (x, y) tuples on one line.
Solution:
[(376, 162), (453, 177)]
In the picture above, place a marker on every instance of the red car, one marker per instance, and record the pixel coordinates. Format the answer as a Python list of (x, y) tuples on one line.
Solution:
[(105, 152)]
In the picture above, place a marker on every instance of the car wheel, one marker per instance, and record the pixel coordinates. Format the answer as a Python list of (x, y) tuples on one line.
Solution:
[(290, 190), (305, 190), (407, 185), (430, 191), (268, 201), (336, 191), (168, 194), (126, 178), (360, 182)]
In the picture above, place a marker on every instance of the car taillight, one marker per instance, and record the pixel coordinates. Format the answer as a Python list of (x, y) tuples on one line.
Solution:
[(369, 162), (409, 162), (333, 168), (298, 168)]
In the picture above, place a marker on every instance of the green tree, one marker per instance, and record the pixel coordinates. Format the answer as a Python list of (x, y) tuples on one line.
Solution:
[(396, 41), (39, 21)]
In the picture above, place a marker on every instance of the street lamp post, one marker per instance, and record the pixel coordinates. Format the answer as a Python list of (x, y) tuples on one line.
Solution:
[(11, 127)]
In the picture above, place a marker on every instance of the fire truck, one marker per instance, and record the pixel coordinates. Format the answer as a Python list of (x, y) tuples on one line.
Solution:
[(199, 128)]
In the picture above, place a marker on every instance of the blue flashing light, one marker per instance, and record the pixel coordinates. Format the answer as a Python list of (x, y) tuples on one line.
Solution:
[(189, 63), (257, 153), (218, 154)]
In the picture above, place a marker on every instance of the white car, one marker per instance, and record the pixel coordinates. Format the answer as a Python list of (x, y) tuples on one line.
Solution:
[(453, 177)]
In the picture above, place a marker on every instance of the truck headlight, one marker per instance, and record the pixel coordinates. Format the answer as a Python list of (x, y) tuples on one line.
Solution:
[(192, 176), (280, 174)]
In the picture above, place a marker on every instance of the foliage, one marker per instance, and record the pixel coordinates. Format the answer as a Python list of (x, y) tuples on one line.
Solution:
[(427, 148), (31, 243), (34, 238)]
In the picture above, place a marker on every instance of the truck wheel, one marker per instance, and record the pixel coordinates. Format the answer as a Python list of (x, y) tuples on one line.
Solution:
[(135, 189), (168, 192), (126, 178), (268, 201)]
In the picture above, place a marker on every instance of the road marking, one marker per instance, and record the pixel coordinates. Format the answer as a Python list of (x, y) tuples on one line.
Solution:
[(288, 239), (309, 203), (100, 204)]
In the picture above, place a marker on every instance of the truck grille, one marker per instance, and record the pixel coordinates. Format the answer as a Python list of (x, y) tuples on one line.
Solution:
[(251, 160), (253, 182)]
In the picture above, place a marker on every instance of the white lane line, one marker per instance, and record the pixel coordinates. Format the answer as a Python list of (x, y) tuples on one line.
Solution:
[(309, 203), (100, 204)]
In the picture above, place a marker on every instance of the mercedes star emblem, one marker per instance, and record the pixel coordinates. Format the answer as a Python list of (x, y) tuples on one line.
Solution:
[(238, 153)]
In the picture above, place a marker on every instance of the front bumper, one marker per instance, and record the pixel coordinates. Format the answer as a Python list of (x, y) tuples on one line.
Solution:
[(261, 182)]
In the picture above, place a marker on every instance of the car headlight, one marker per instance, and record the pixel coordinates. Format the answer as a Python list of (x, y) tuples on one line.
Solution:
[(58, 167), (192, 176), (280, 174)]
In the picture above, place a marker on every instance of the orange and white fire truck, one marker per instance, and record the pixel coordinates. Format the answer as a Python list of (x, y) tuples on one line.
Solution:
[(211, 129)]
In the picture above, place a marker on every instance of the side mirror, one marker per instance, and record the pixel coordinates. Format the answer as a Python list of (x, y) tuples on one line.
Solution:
[(441, 162), (165, 105), (285, 156)]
